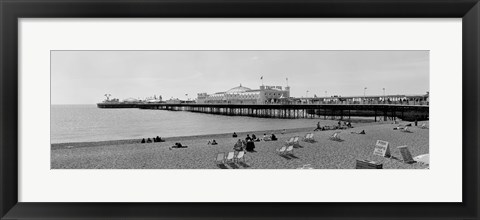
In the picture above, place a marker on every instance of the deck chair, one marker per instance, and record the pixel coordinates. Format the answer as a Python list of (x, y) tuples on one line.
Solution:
[(424, 126), (230, 157), (405, 130), (295, 142), (220, 159), (240, 156), (335, 137), (290, 141), (281, 150), (309, 138), (289, 150)]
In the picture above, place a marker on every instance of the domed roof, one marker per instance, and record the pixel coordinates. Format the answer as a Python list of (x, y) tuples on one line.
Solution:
[(130, 100), (238, 89)]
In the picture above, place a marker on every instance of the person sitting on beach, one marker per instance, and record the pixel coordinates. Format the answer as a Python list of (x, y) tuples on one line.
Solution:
[(234, 135), (143, 141), (214, 142), (318, 127), (149, 140), (362, 132), (250, 146), (266, 138), (154, 139), (248, 138), (238, 146), (254, 137), (273, 137), (159, 139)]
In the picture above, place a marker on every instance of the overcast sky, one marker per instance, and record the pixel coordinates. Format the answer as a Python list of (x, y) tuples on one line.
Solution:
[(83, 77)]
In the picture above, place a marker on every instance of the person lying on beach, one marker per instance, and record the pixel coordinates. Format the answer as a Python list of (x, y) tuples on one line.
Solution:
[(234, 135), (273, 137), (178, 145), (361, 132), (143, 141)]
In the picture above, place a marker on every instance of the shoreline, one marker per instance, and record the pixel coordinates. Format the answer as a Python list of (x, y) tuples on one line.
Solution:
[(258, 133)]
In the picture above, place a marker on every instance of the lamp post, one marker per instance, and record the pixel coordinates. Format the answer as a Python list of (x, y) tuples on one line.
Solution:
[(364, 94), (384, 100)]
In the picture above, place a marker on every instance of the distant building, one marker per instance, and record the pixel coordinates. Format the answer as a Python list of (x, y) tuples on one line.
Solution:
[(173, 101), (244, 95)]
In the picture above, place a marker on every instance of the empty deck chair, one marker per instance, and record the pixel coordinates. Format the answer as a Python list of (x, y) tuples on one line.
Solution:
[(309, 138), (424, 126), (295, 142), (230, 157), (240, 156), (290, 141), (281, 150), (289, 150), (335, 137), (405, 130), (220, 159)]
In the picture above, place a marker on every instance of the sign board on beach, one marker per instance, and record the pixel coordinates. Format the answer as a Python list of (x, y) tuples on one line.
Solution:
[(382, 149), (406, 155)]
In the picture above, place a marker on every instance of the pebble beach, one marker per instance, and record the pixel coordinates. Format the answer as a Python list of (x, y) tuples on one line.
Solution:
[(323, 153)]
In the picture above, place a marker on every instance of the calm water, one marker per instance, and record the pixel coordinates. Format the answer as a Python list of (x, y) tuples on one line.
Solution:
[(79, 123)]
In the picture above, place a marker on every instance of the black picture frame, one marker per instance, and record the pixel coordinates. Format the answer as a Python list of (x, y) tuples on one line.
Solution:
[(12, 10)]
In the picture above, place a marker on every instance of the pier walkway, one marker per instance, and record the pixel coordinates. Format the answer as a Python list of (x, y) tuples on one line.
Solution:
[(341, 111)]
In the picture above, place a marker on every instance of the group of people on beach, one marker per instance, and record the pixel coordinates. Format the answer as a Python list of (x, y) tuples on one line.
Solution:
[(346, 124), (248, 143), (155, 139), (254, 138)]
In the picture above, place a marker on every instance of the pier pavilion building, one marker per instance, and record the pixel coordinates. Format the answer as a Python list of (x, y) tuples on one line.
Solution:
[(244, 95)]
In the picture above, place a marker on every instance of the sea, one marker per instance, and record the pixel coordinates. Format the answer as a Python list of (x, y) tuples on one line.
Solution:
[(87, 123)]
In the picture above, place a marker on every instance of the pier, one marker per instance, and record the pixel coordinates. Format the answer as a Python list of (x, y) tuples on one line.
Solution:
[(325, 111)]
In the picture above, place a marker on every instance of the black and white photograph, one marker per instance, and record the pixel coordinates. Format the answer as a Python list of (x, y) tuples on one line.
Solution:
[(239, 109)]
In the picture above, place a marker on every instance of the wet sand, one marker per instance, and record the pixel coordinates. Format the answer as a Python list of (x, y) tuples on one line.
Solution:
[(322, 154)]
